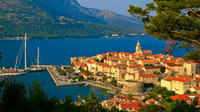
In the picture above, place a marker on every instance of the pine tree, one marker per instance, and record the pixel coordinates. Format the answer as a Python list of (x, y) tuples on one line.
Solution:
[(177, 20)]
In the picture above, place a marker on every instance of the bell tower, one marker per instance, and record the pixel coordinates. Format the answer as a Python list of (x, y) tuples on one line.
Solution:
[(138, 48)]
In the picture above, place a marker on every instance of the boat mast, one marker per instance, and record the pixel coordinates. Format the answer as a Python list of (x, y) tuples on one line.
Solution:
[(25, 67), (16, 63), (38, 59)]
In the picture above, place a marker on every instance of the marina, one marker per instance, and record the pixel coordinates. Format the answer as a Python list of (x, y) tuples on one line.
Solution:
[(54, 54)]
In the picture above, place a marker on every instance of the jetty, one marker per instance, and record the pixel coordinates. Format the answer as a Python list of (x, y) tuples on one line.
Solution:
[(60, 80)]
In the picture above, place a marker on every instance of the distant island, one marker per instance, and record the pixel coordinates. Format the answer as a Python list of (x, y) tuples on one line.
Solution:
[(66, 18)]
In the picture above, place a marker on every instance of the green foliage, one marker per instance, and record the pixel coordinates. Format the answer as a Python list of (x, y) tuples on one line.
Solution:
[(163, 91), (157, 73), (176, 106), (43, 104), (69, 69), (159, 91), (14, 99), (91, 104), (193, 54), (101, 61), (188, 92), (172, 20), (162, 69), (147, 85), (61, 71), (130, 97), (148, 65), (113, 82), (152, 108)]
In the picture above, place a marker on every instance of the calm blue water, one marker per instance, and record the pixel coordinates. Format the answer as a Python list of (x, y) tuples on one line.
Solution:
[(59, 51), (49, 86)]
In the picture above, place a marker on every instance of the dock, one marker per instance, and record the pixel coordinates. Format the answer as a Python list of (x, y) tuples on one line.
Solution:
[(60, 81)]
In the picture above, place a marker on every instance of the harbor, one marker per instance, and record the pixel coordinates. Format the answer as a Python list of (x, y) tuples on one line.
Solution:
[(59, 80)]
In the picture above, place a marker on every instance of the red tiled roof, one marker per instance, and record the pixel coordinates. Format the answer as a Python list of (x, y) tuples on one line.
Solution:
[(181, 97), (197, 88), (169, 78), (105, 65), (172, 57), (149, 61), (152, 67), (148, 75), (130, 105), (180, 78), (198, 104), (147, 51), (131, 74), (114, 99), (90, 62), (173, 64), (150, 101), (155, 55), (133, 66)]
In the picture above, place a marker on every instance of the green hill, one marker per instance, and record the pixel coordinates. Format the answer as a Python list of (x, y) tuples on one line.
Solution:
[(41, 19)]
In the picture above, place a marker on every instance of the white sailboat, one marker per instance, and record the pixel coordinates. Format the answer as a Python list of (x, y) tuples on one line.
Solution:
[(37, 68), (14, 72)]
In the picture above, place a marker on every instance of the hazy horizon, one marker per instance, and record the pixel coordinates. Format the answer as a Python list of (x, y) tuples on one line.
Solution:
[(117, 6)]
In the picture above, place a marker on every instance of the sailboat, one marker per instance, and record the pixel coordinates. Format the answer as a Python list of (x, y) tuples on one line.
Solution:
[(38, 68), (31, 69), (15, 71)]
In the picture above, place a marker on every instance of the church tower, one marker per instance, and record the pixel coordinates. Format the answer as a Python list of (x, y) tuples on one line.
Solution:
[(138, 49)]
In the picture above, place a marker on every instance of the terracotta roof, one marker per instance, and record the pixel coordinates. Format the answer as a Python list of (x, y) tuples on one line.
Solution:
[(197, 88), (90, 62), (150, 101), (105, 65), (114, 99), (147, 51), (173, 64), (198, 104), (169, 78), (172, 57), (134, 66), (120, 67), (131, 74), (152, 67), (168, 68), (155, 55), (130, 105), (148, 75), (183, 97), (149, 61), (132, 60), (180, 78), (180, 59)]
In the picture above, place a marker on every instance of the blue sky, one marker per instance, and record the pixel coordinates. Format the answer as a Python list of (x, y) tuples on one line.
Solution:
[(118, 6)]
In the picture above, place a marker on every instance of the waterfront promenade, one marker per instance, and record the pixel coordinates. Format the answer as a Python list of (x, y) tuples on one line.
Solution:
[(60, 81)]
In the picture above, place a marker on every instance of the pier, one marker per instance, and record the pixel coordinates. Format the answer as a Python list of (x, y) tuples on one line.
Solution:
[(60, 81)]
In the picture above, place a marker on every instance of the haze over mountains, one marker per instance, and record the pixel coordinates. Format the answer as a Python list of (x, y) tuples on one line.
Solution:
[(61, 18)]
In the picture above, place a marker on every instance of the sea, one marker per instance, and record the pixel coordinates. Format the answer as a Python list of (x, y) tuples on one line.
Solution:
[(58, 51)]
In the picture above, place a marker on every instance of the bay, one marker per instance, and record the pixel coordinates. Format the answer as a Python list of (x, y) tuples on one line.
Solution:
[(59, 51)]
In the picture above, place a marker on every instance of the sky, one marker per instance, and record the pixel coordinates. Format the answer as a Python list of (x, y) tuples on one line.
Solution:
[(118, 6)]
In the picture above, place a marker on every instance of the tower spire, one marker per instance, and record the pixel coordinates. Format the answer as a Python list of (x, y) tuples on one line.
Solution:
[(138, 48)]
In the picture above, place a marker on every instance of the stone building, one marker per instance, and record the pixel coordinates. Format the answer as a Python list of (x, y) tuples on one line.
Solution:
[(133, 87)]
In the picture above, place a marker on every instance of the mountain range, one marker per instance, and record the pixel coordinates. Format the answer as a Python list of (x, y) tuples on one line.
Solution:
[(61, 18)]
